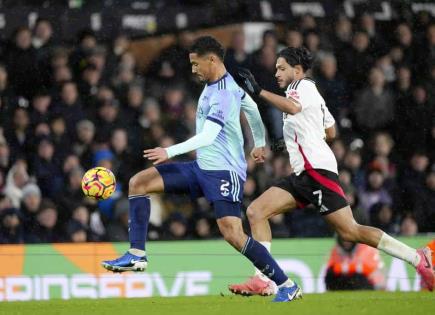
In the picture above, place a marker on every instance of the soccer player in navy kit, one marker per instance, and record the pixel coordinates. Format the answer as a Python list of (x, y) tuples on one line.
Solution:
[(218, 173), (315, 177)]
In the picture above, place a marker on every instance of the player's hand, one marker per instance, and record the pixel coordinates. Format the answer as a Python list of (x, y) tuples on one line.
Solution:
[(277, 145), (258, 154), (249, 82), (157, 155)]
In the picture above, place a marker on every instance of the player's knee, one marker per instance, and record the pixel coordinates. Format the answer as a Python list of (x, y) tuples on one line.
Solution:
[(137, 185), (254, 213)]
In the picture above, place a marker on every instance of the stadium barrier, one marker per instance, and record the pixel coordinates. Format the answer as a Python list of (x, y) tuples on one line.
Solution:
[(183, 268)]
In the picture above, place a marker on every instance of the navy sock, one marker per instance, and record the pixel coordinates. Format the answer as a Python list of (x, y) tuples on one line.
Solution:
[(262, 259), (140, 209)]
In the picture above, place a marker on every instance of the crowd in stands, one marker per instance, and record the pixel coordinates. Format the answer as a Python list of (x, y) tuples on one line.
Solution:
[(65, 108)]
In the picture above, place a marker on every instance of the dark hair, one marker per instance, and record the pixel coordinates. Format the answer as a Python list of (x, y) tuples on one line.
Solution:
[(297, 56), (208, 44)]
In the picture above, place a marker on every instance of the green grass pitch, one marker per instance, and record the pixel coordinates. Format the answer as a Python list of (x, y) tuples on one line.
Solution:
[(343, 303)]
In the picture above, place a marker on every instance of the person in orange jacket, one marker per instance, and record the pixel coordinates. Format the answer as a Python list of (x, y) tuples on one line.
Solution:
[(353, 266)]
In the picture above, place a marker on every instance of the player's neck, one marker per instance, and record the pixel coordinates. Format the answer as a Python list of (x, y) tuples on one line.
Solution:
[(219, 73), (299, 77)]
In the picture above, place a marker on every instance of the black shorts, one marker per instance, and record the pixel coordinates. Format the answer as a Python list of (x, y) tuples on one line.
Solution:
[(315, 186)]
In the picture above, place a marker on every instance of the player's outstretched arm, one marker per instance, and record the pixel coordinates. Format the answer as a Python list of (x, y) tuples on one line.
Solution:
[(284, 104), (249, 107), (205, 138)]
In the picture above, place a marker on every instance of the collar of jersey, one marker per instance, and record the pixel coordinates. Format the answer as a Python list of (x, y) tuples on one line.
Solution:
[(214, 82)]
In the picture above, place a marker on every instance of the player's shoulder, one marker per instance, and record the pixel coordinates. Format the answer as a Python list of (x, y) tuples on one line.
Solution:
[(302, 84), (227, 86)]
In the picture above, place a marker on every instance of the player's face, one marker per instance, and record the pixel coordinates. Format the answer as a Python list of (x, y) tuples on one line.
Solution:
[(201, 66), (285, 73)]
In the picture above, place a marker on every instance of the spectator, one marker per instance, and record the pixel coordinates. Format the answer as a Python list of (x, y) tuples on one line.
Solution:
[(375, 191), (40, 111), (263, 67), (76, 232), (333, 88), (405, 41), (47, 169), (45, 230), (354, 267), (7, 96), (173, 63), (79, 225), (413, 122), (374, 105), (293, 38), (108, 119), (382, 217), (5, 158), (236, 55), (203, 226), (356, 72), (342, 37), (125, 164), (43, 42), (175, 227), (117, 229), (21, 61), (86, 42), (424, 208), (70, 106), (16, 179), (11, 230), (408, 227), (82, 147), (18, 135)]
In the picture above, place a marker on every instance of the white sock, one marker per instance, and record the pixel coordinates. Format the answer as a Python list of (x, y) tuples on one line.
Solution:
[(137, 252), (397, 249), (268, 245)]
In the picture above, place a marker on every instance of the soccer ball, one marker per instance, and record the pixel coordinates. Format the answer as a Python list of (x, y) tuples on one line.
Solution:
[(98, 183)]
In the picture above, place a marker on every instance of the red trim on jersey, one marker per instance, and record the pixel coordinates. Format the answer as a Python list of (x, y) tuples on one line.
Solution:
[(322, 180)]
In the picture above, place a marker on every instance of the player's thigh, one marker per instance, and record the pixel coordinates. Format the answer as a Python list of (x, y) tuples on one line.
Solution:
[(146, 182), (273, 201)]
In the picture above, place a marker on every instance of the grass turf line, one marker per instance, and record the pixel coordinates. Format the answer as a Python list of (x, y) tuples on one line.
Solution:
[(338, 303)]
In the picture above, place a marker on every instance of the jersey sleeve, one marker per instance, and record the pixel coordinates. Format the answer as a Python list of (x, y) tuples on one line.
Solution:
[(329, 120), (220, 105), (300, 92)]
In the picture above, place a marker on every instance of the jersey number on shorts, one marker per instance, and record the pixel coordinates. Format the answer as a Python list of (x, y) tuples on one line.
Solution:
[(319, 200), (224, 188)]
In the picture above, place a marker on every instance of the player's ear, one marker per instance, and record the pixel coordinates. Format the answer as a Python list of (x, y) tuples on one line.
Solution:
[(299, 69)]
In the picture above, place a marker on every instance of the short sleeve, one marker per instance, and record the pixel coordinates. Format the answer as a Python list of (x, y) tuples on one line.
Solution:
[(300, 91), (220, 106), (329, 120)]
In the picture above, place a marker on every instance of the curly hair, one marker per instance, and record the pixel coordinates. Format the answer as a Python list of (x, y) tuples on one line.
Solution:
[(297, 56)]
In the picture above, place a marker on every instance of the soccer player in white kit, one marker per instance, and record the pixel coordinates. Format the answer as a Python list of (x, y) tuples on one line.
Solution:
[(307, 124)]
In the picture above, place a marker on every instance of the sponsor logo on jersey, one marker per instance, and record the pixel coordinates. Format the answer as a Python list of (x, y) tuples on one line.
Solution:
[(293, 94)]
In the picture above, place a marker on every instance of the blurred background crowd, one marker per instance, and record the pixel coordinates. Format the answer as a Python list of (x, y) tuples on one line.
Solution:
[(66, 107)]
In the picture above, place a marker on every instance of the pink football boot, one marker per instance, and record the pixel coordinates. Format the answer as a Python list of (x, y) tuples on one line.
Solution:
[(254, 286)]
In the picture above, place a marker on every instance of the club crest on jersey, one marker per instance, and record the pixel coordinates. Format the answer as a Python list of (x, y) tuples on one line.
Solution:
[(293, 94)]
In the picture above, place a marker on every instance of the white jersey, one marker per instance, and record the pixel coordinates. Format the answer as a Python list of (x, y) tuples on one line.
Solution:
[(304, 132)]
